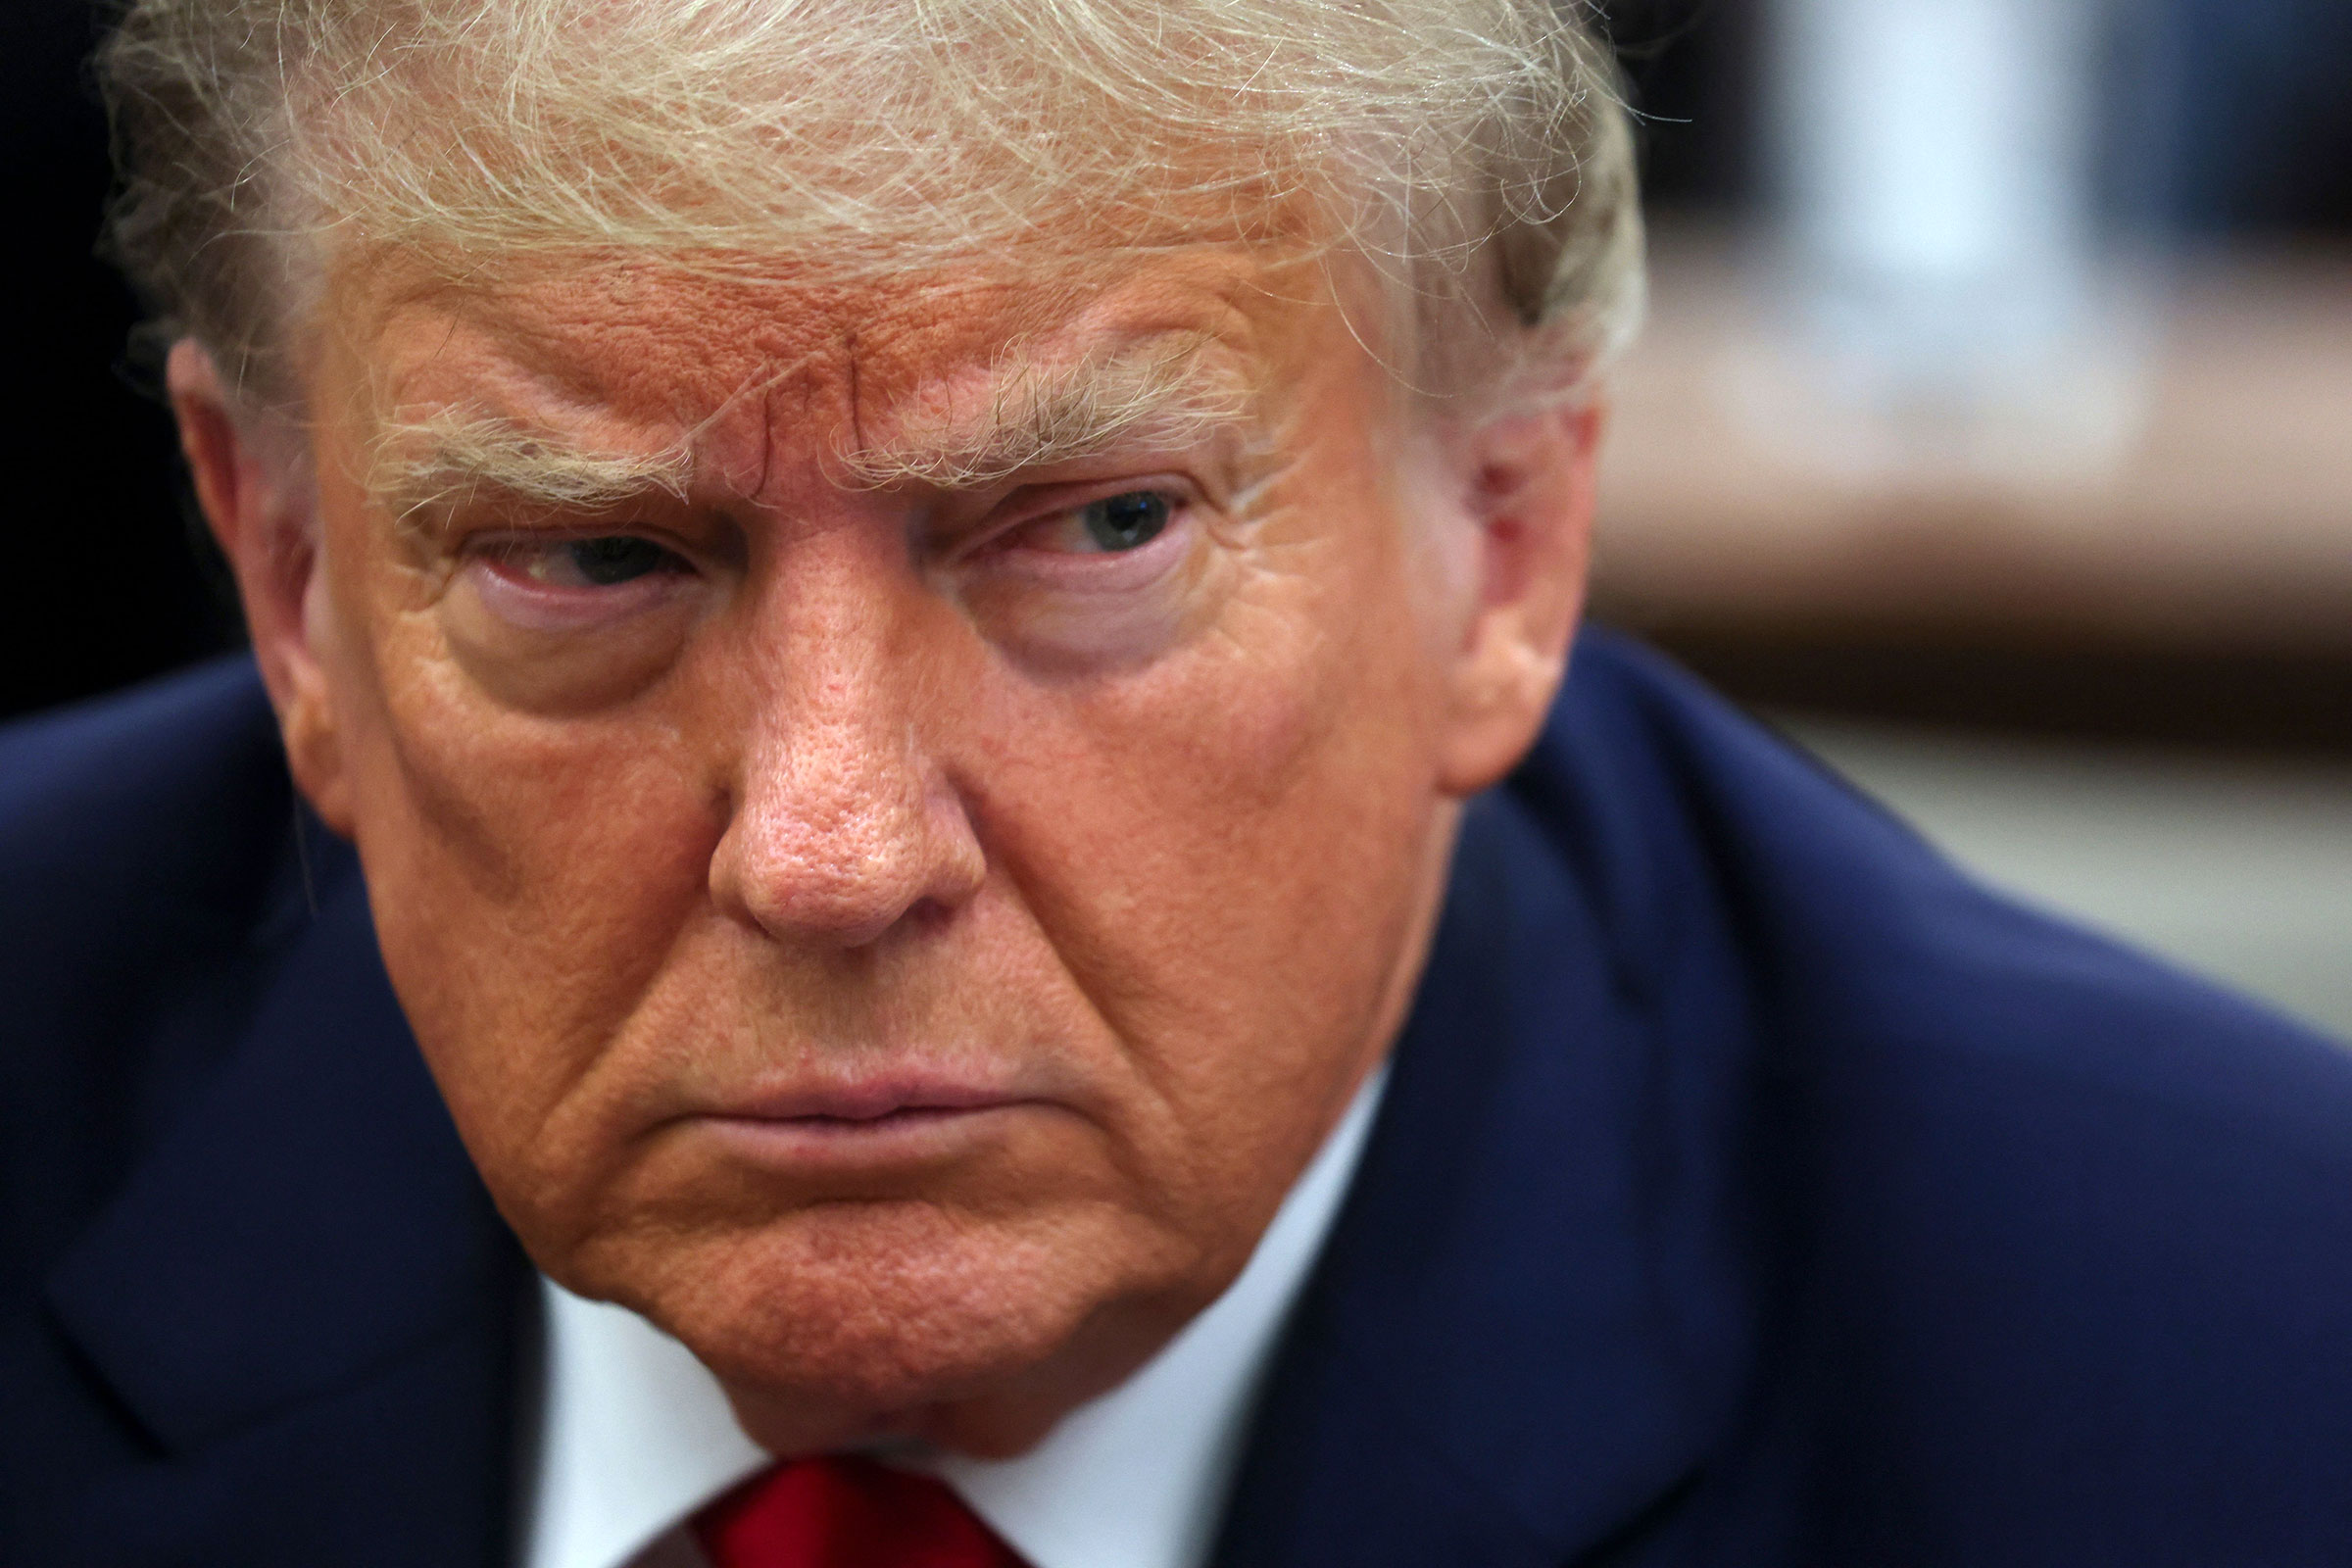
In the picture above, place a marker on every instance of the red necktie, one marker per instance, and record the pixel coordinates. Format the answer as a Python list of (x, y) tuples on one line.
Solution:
[(846, 1512)]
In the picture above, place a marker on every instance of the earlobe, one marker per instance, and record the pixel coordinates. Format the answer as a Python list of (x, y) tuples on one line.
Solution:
[(256, 499), (1528, 481)]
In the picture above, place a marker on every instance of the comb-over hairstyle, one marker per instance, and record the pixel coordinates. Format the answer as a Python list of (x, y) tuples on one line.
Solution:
[(1475, 150)]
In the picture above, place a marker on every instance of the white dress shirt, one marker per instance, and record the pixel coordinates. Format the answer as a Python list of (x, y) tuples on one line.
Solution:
[(635, 1434)]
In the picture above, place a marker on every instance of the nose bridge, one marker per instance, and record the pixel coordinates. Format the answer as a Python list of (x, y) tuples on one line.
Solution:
[(842, 821), (833, 735)]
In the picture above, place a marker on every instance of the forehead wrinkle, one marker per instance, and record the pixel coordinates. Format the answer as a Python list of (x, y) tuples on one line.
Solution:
[(1167, 392)]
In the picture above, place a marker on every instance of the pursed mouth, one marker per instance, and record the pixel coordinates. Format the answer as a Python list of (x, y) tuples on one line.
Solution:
[(852, 1106), (871, 1135), (877, 1121)]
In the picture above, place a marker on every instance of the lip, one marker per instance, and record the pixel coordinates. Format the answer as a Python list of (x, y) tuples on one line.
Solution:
[(884, 1118), (867, 1100)]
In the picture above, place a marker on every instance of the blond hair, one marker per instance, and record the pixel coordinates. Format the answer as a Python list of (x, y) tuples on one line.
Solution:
[(1474, 149)]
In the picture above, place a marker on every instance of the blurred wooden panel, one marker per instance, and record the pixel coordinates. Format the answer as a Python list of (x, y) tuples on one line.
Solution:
[(2199, 586)]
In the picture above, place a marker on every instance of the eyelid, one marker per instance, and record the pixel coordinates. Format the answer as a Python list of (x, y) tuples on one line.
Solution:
[(509, 557), (507, 541), (1036, 504)]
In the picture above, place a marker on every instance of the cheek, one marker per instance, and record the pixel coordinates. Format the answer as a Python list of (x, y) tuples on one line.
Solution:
[(529, 875), (1225, 848), (529, 865)]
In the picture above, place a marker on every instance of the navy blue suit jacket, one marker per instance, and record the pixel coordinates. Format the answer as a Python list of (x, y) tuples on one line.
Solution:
[(1750, 1189)]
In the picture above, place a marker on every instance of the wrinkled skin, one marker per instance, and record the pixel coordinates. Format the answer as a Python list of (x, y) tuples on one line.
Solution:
[(900, 946)]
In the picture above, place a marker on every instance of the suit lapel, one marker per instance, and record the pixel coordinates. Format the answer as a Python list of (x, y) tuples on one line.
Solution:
[(303, 1297), (1516, 1341)]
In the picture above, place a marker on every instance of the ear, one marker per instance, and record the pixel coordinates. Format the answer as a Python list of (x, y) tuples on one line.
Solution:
[(1527, 487), (252, 481)]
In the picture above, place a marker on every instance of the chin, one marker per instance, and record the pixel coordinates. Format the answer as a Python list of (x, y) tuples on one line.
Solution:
[(856, 1319)]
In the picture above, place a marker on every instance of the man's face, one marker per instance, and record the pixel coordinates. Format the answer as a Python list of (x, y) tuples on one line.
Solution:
[(898, 894)]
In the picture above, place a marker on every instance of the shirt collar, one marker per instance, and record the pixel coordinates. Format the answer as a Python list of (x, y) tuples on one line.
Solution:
[(635, 1434)]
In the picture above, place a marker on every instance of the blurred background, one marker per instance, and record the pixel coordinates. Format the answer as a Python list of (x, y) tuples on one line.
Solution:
[(1991, 435)]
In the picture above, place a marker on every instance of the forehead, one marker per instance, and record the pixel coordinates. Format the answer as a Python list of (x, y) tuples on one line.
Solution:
[(663, 343)]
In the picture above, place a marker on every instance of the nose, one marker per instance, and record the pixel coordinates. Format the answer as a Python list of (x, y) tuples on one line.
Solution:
[(843, 826)]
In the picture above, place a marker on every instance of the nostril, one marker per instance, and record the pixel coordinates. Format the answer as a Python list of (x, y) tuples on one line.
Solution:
[(929, 913)]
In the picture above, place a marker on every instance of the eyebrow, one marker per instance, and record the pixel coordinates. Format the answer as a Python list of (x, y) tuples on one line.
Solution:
[(446, 457), (1164, 394)]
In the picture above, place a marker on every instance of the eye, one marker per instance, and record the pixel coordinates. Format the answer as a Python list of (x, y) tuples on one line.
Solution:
[(595, 560), (1125, 522)]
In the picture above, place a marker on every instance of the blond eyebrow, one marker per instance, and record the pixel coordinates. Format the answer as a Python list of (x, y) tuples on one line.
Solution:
[(1165, 395), (444, 459)]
